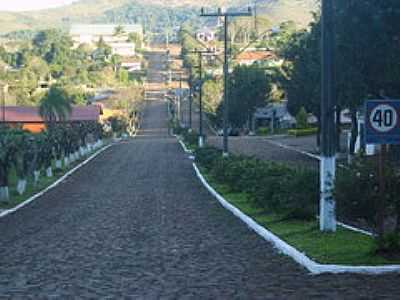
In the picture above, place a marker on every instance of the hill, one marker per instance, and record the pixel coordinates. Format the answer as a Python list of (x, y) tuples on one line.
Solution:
[(103, 10)]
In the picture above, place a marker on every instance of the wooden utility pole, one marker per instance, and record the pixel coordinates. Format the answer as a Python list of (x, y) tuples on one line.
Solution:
[(225, 16)]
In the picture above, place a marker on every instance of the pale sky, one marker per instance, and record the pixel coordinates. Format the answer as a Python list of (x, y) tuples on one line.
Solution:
[(23, 5)]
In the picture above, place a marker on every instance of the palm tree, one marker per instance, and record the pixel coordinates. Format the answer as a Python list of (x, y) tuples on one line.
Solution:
[(55, 106), (119, 30)]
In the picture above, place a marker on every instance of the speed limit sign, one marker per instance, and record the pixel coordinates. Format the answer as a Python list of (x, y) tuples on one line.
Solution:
[(382, 122)]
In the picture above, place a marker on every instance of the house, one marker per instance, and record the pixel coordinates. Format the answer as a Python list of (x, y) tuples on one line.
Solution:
[(123, 49), (131, 64), (205, 35), (31, 120), (276, 114), (248, 58), (92, 33)]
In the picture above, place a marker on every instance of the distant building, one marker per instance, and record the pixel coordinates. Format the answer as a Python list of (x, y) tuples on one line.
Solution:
[(274, 113), (91, 34), (248, 58), (205, 35), (31, 120), (123, 49)]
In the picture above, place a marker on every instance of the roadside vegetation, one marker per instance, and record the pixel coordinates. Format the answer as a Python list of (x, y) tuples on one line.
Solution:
[(284, 199)]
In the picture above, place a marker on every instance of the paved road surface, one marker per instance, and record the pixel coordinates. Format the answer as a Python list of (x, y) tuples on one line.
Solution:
[(136, 224)]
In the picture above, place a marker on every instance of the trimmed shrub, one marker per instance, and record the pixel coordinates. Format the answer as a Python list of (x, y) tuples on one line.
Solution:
[(274, 187), (263, 131), (302, 132), (207, 156)]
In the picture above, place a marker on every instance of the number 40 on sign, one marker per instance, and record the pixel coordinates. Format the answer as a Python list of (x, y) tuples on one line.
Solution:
[(382, 122)]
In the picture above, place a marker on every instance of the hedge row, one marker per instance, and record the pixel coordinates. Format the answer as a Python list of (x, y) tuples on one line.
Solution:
[(303, 132), (274, 187)]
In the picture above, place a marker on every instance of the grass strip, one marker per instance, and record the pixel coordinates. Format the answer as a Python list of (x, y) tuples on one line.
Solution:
[(345, 247)]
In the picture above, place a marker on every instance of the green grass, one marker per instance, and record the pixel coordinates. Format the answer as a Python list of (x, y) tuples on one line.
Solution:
[(345, 247)]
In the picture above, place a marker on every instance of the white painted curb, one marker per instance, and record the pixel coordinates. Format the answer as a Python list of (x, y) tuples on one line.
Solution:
[(300, 258), (58, 182), (184, 147), (317, 157)]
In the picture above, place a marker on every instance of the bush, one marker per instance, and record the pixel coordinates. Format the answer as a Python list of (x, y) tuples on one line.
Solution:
[(263, 131), (388, 244), (302, 132), (357, 191), (190, 138), (274, 187), (207, 156)]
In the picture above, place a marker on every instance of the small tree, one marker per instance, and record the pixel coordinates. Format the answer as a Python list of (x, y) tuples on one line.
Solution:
[(6, 152), (302, 118)]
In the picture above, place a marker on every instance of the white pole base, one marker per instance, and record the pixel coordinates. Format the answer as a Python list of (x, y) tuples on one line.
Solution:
[(49, 172), (4, 194), (201, 141), (36, 176), (21, 186), (58, 164), (327, 202)]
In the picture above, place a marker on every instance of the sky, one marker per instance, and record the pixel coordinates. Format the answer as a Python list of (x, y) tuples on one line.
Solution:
[(23, 5)]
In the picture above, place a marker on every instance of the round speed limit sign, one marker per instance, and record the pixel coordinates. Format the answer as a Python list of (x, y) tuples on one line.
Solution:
[(383, 118)]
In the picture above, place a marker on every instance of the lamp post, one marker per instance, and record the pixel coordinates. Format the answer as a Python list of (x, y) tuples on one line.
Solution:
[(200, 54), (226, 16), (328, 140)]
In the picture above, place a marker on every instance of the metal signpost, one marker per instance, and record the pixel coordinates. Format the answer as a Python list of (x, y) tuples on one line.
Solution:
[(382, 127)]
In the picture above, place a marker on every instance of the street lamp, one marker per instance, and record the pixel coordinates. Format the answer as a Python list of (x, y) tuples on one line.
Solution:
[(200, 54)]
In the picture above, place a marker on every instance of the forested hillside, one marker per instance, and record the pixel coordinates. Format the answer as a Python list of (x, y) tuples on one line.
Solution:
[(156, 11)]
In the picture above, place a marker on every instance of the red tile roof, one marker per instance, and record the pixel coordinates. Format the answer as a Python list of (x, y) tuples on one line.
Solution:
[(255, 55), (21, 114)]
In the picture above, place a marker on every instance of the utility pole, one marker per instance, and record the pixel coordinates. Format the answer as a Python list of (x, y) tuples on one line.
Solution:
[(190, 81), (226, 16), (3, 103), (180, 100), (200, 54), (255, 18), (190, 108), (328, 102)]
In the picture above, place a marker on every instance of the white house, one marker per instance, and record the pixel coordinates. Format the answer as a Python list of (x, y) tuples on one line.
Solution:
[(205, 35), (123, 49), (91, 33)]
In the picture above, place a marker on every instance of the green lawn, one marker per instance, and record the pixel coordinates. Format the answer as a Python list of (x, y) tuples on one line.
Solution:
[(344, 247)]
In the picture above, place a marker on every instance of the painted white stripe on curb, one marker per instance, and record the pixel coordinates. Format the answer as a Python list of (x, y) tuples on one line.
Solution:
[(317, 157), (184, 147), (58, 182), (300, 258)]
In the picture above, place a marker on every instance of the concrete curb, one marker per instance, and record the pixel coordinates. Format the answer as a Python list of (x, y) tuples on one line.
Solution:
[(184, 147), (317, 157), (299, 257), (55, 184)]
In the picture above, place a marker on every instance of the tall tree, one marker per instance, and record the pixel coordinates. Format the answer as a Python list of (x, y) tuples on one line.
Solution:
[(55, 106)]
